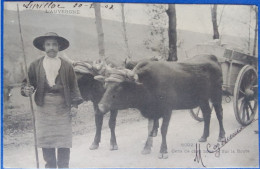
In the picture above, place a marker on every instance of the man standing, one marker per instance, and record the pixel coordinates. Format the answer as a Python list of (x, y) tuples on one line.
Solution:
[(57, 97)]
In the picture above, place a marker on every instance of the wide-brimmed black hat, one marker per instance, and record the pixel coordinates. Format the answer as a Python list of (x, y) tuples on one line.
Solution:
[(39, 41)]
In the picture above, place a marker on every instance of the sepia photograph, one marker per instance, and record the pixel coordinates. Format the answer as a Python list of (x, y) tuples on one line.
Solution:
[(129, 85)]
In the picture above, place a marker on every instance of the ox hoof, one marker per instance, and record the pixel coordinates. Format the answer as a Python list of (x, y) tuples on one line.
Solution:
[(146, 151), (163, 155), (94, 146), (221, 139), (113, 147), (202, 139)]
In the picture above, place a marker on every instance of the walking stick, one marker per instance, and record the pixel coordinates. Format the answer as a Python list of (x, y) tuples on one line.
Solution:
[(28, 82)]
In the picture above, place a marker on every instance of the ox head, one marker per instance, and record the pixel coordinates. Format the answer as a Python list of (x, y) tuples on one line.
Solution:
[(90, 88), (121, 90)]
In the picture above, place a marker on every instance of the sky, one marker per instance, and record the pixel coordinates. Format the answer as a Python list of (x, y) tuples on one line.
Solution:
[(234, 20)]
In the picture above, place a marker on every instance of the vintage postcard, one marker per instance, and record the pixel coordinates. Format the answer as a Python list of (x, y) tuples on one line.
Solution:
[(130, 85)]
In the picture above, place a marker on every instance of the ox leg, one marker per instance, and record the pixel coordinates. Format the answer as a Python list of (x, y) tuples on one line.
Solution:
[(206, 111), (149, 141), (216, 98), (164, 128), (219, 113), (112, 126), (155, 127), (99, 123)]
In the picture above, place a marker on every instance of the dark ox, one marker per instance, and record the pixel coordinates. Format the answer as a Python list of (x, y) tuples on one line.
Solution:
[(93, 90), (161, 87)]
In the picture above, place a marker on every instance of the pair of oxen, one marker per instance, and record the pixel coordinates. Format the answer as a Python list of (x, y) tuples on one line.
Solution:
[(155, 88)]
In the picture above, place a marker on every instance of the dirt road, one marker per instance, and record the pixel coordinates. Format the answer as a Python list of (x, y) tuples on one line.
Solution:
[(183, 133)]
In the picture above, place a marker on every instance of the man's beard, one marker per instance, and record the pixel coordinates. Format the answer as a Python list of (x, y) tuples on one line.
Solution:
[(52, 53)]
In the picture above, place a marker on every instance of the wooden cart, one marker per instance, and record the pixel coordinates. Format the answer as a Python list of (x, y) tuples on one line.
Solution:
[(239, 80)]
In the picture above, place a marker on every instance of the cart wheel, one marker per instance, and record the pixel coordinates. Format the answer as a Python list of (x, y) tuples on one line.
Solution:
[(196, 113), (245, 95)]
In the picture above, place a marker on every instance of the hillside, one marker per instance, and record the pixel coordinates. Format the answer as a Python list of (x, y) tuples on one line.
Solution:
[(81, 32)]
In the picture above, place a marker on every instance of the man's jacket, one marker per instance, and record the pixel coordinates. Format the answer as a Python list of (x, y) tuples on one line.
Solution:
[(68, 79)]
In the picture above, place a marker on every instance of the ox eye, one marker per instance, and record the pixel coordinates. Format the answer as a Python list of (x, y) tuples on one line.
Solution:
[(113, 96)]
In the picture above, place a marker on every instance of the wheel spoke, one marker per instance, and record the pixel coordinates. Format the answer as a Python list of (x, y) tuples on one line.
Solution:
[(250, 106), (247, 113), (243, 116), (242, 92), (243, 112)]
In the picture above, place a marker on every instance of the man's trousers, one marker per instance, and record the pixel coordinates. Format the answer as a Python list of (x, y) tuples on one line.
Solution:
[(63, 157)]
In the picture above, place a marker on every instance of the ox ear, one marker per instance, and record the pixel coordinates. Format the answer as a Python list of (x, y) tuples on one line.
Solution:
[(100, 78)]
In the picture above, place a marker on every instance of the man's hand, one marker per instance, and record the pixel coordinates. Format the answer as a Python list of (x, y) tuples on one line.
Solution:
[(73, 111), (28, 90)]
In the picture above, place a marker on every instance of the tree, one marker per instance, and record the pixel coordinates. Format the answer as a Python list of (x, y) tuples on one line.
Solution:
[(124, 30), (172, 32), (214, 22), (100, 32), (249, 29), (158, 36), (256, 30), (252, 26)]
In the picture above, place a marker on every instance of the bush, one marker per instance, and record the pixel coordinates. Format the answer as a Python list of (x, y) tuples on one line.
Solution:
[(16, 121)]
